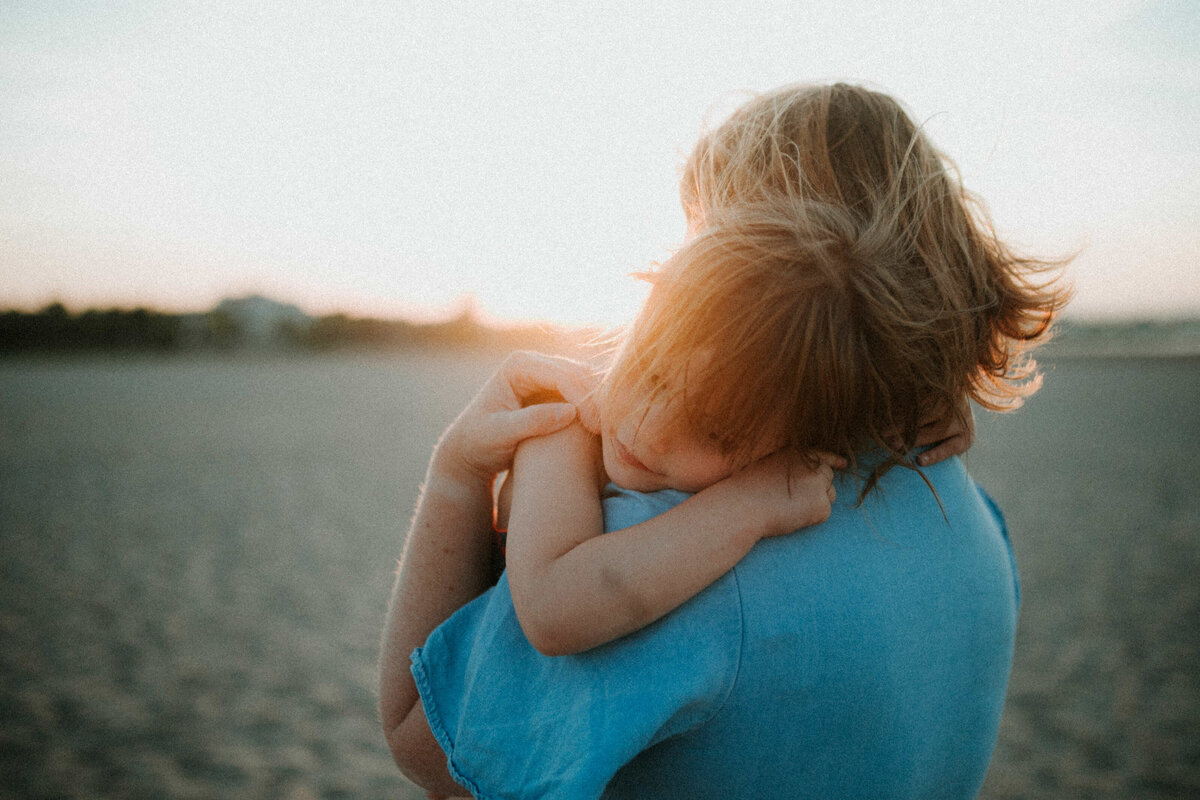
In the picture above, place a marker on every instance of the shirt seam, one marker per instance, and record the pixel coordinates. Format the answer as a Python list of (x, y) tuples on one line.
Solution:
[(737, 668), (438, 727)]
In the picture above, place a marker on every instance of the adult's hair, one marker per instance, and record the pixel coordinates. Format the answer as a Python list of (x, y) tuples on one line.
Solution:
[(839, 281)]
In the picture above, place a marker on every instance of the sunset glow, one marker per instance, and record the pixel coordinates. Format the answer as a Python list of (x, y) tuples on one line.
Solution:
[(395, 159)]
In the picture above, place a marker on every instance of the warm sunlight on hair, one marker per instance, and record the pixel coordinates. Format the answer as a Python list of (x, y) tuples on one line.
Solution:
[(838, 274)]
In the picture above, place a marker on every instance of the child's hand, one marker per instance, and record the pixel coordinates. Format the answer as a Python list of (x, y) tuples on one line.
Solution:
[(784, 492), (951, 435)]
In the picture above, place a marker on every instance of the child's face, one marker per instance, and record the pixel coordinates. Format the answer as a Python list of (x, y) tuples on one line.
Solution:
[(647, 448)]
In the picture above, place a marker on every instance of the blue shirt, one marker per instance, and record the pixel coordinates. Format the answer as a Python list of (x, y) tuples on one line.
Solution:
[(864, 657)]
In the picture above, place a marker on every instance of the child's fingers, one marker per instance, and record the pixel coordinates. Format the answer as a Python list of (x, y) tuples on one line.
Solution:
[(831, 460), (953, 446), (936, 454), (822, 473)]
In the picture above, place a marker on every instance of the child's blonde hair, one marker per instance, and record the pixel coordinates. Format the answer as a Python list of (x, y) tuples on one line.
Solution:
[(839, 281)]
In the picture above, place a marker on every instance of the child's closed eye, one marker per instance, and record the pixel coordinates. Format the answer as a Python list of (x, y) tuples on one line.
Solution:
[(719, 442)]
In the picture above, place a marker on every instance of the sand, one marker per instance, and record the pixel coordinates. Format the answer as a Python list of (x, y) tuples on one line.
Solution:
[(197, 554)]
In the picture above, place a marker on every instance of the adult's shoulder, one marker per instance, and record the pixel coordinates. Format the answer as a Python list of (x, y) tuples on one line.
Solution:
[(624, 507), (495, 703), (872, 642)]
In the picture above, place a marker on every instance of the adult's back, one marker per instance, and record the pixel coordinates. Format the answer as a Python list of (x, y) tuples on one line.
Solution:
[(866, 657), (875, 652)]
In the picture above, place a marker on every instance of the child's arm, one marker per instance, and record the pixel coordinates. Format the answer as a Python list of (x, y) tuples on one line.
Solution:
[(574, 589)]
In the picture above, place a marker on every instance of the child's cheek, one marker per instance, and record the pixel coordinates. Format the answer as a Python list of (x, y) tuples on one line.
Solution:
[(702, 470)]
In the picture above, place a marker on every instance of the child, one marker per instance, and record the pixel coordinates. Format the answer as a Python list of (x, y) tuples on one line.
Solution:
[(838, 288)]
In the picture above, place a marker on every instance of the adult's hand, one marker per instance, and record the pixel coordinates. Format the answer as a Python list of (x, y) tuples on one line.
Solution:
[(532, 394), (448, 551)]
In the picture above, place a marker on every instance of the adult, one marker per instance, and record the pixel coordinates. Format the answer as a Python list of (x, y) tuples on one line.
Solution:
[(866, 658), (841, 285)]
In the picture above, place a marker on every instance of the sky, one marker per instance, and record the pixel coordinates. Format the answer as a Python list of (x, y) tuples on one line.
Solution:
[(522, 158)]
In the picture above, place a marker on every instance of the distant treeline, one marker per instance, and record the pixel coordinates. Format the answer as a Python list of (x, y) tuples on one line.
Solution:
[(259, 323), (54, 328), (1125, 339)]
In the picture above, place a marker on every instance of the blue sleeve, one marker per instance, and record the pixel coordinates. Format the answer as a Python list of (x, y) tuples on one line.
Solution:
[(515, 723)]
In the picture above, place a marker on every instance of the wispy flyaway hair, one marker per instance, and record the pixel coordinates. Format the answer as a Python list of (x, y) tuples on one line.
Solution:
[(839, 281)]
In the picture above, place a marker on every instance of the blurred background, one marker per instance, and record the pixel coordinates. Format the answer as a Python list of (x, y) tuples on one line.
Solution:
[(389, 158), (254, 257)]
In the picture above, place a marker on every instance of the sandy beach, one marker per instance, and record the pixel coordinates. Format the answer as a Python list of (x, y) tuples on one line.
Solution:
[(197, 553)]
